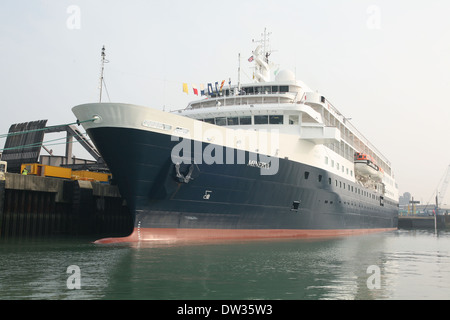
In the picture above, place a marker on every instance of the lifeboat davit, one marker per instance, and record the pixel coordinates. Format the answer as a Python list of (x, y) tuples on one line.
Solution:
[(366, 167)]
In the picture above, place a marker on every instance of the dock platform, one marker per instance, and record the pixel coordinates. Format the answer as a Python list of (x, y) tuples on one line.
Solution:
[(423, 222), (35, 206)]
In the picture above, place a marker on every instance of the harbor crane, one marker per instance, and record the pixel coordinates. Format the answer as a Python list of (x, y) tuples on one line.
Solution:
[(443, 189)]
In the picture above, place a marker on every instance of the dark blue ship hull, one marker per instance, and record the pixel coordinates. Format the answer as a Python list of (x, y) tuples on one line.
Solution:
[(198, 200)]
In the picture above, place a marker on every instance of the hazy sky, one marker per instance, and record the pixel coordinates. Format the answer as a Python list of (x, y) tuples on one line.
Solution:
[(385, 64)]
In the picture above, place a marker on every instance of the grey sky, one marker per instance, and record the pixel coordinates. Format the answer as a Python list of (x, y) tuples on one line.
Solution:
[(385, 64)]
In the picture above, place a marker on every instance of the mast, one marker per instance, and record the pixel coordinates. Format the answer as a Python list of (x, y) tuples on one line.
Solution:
[(436, 212), (101, 74), (239, 73), (261, 57)]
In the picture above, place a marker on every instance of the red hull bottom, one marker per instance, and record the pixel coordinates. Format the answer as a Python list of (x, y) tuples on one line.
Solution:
[(163, 234)]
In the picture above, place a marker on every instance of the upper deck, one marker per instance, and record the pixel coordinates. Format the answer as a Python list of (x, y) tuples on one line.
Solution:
[(286, 103)]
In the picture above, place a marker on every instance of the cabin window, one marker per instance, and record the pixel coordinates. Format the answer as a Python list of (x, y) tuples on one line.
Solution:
[(222, 121), (293, 119), (306, 175), (284, 89), (275, 89), (233, 121), (211, 120), (245, 120), (276, 119), (261, 119), (320, 178)]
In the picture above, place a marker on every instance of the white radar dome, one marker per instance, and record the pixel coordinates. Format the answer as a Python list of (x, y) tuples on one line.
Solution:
[(285, 75)]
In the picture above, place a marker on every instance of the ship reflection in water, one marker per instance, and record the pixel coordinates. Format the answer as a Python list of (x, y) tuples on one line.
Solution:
[(394, 265)]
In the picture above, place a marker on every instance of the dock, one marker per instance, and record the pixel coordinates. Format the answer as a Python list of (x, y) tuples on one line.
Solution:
[(423, 222), (36, 206)]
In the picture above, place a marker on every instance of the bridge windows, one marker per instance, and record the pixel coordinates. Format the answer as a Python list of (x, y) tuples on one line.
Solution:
[(261, 119), (277, 119), (247, 120)]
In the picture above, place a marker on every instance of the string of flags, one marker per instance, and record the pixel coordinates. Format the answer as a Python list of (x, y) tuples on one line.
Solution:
[(211, 89)]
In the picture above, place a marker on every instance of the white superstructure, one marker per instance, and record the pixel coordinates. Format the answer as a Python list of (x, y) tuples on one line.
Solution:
[(311, 130)]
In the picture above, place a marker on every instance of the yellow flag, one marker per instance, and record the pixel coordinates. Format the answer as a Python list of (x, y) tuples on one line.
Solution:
[(185, 88)]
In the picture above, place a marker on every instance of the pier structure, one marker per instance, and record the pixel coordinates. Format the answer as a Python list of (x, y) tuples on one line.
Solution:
[(36, 206)]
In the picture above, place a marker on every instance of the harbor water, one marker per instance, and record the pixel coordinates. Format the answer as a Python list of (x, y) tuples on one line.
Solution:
[(403, 264)]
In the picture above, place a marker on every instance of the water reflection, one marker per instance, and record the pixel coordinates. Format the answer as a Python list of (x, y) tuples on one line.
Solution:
[(411, 264)]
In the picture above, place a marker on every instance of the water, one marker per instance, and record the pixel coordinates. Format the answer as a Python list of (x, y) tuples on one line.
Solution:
[(395, 265)]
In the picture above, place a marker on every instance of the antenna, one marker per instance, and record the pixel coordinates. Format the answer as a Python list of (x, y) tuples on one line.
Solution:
[(261, 57), (102, 81), (239, 73), (265, 44)]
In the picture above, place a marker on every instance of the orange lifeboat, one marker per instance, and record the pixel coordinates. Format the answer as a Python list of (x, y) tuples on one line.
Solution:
[(365, 165)]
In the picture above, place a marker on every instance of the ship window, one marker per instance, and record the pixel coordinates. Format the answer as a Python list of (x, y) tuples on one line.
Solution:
[(329, 180), (295, 205), (274, 89), (261, 119), (306, 175), (267, 90), (284, 89), (233, 121), (293, 119), (322, 99), (320, 178), (222, 121), (326, 160), (211, 120), (276, 119), (245, 120), (249, 90)]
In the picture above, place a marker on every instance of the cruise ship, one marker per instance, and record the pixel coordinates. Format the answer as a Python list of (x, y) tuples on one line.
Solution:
[(263, 160)]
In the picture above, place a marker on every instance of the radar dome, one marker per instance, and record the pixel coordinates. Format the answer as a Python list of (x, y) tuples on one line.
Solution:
[(285, 75)]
